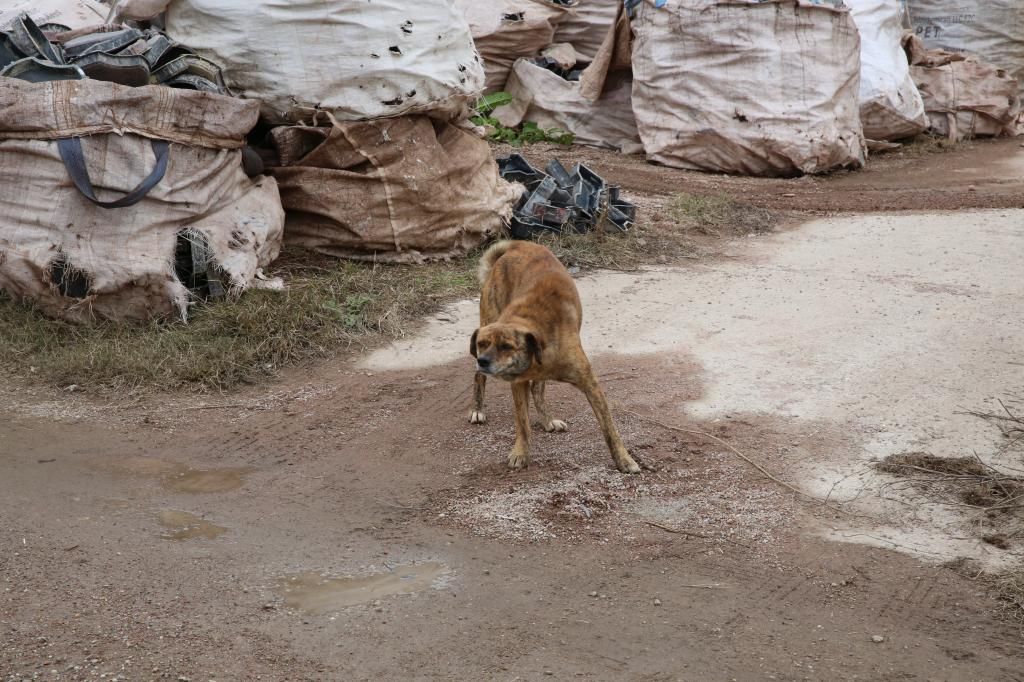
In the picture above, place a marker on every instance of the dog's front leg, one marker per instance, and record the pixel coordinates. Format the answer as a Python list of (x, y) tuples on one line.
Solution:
[(519, 458), (588, 384), (546, 422), (478, 416)]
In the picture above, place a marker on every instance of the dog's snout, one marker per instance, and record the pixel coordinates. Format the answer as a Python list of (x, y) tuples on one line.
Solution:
[(483, 363)]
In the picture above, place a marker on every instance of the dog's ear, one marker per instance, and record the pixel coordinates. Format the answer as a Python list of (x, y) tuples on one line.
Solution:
[(535, 345), (472, 343)]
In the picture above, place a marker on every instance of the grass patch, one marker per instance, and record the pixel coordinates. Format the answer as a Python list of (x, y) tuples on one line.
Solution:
[(923, 145), (1008, 589), (609, 251), (716, 214), (329, 306)]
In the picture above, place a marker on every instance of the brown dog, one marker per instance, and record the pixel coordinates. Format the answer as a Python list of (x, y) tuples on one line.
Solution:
[(530, 318)]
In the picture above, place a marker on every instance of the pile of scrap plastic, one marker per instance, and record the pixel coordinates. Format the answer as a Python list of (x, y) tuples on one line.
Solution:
[(124, 55), (563, 201)]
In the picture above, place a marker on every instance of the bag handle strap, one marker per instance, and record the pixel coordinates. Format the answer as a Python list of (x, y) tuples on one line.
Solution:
[(74, 161)]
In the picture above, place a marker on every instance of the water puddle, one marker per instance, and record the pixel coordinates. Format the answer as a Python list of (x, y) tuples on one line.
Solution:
[(206, 480), (316, 594), (184, 526), (143, 466), (180, 478)]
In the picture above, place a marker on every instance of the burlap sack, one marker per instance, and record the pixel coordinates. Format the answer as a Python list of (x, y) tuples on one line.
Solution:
[(586, 26), (505, 30), (963, 96), (397, 190), (550, 101), (77, 260), (756, 88)]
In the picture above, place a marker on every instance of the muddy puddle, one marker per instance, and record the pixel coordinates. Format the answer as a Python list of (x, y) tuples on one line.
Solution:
[(205, 480), (317, 594), (184, 526), (181, 479)]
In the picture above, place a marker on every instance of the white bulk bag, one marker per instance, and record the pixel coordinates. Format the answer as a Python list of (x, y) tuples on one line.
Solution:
[(738, 86), (357, 59), (505, 30), (73, 14), (891, 108), (990, 29), (586, 27)]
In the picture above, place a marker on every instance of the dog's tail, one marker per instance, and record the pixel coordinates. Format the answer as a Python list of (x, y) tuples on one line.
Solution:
[(490, 256)]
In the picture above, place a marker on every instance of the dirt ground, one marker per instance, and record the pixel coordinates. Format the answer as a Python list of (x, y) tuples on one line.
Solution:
[(347, 523)]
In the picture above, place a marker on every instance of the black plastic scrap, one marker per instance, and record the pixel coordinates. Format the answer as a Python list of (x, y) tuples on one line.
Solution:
[(551, 65), (562, 201), (127, 56)]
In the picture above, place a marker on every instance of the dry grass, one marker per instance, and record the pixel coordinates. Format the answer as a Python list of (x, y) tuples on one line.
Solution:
[(330, 306), (719, 214), (629, 251), (995, 500), (1008, 588), (910, 462), (923, 145)]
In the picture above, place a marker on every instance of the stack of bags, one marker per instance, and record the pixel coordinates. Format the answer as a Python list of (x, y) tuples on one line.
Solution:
[(363, 118), (754, 87)]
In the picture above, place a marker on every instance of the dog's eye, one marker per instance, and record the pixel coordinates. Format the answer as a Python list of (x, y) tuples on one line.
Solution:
[(505, 347), (483, 344)]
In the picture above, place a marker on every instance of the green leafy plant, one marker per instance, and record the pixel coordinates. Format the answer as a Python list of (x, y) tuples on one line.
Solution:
[(526, 133)]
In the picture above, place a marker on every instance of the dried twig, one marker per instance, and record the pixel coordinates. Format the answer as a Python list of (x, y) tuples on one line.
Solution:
[(746, 459), (680, 531)]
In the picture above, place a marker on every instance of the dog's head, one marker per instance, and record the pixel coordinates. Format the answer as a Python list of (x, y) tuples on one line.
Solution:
[(505, 350)]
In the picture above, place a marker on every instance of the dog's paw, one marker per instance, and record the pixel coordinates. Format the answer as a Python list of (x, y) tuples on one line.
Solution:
[(477, 417), (518, 460), (627, 465), (556, 426)]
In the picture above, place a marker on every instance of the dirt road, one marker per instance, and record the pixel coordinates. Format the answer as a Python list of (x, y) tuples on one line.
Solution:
[(349, 524)]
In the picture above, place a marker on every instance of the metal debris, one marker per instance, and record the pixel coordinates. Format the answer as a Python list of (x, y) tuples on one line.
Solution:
[(564, 201)]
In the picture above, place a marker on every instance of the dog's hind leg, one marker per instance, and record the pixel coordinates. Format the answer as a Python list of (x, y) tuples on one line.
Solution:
[(587, 383), (519, 458), (477, 416), (549, 424)]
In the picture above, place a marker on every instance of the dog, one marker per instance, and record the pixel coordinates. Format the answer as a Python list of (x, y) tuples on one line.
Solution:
[(529, 334)]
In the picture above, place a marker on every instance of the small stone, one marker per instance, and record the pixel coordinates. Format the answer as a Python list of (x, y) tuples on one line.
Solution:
[(549, 672), (657, 602), (877, 639), (972, 188), (788, 195), (593, 594)]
